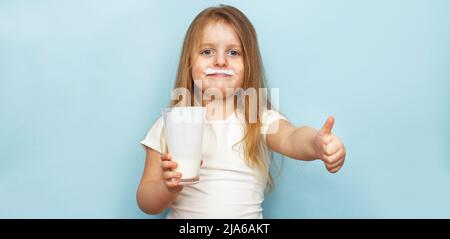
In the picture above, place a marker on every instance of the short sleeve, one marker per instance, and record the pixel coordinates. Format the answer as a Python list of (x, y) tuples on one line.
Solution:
[(268, 117), (153, 137)]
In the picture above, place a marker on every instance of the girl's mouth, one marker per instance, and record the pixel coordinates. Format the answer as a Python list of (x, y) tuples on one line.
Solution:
[(218, 75), (218, 72)]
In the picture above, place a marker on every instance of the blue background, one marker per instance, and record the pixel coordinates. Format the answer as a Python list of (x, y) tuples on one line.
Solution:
[(81, 82)]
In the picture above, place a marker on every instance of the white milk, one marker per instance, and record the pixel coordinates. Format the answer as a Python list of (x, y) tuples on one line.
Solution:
[(189, 169), (184, 135)]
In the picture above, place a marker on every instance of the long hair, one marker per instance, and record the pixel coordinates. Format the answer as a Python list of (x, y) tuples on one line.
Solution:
[(255, 151)]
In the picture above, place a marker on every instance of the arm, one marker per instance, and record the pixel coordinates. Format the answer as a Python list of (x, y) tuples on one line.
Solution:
[(296, 143), (153, 195), (306, 143)]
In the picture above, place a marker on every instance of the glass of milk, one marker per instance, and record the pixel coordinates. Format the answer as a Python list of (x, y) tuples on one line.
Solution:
[(183, 131)]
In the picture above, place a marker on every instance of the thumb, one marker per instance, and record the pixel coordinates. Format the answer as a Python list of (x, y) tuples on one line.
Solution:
[(326, 129)]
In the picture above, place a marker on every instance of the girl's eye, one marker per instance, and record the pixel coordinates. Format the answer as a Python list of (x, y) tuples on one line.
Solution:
[(207, 52), (234, 53)]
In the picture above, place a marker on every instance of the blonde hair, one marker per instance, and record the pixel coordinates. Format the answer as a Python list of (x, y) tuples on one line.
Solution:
[(255, 152)]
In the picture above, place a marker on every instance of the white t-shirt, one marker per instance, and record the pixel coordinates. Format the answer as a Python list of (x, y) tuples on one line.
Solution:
[(228, 187)]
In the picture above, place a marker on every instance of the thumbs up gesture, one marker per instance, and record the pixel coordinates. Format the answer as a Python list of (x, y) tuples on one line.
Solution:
[(329, 147)]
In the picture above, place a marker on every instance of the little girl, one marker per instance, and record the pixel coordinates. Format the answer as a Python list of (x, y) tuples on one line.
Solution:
[(221, 52)]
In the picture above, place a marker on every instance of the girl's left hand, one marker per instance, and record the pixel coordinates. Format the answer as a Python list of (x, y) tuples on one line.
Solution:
[(329, 148)]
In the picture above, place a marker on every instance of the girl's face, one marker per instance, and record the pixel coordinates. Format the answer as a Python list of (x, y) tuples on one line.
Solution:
[(220, 49)]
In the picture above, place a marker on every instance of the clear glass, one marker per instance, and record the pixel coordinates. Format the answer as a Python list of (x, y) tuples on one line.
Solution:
[(183, 134)]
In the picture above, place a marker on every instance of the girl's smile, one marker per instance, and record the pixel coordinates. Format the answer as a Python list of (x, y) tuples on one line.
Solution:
[(219, 76)]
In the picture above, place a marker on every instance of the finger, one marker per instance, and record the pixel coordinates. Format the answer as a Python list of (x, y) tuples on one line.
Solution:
[(201, 163), (332, 159), (172, 183), (324, 139), (335, 170), (169, 175), (326, 129), (338, 163), (333, 147), (165, 157), (176, 188), (168, 165)]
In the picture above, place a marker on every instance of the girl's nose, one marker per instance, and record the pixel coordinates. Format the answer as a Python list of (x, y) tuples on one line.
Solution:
[(220, 60)]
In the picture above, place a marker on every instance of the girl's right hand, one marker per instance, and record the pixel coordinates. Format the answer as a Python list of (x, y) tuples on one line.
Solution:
[(170, 177)]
